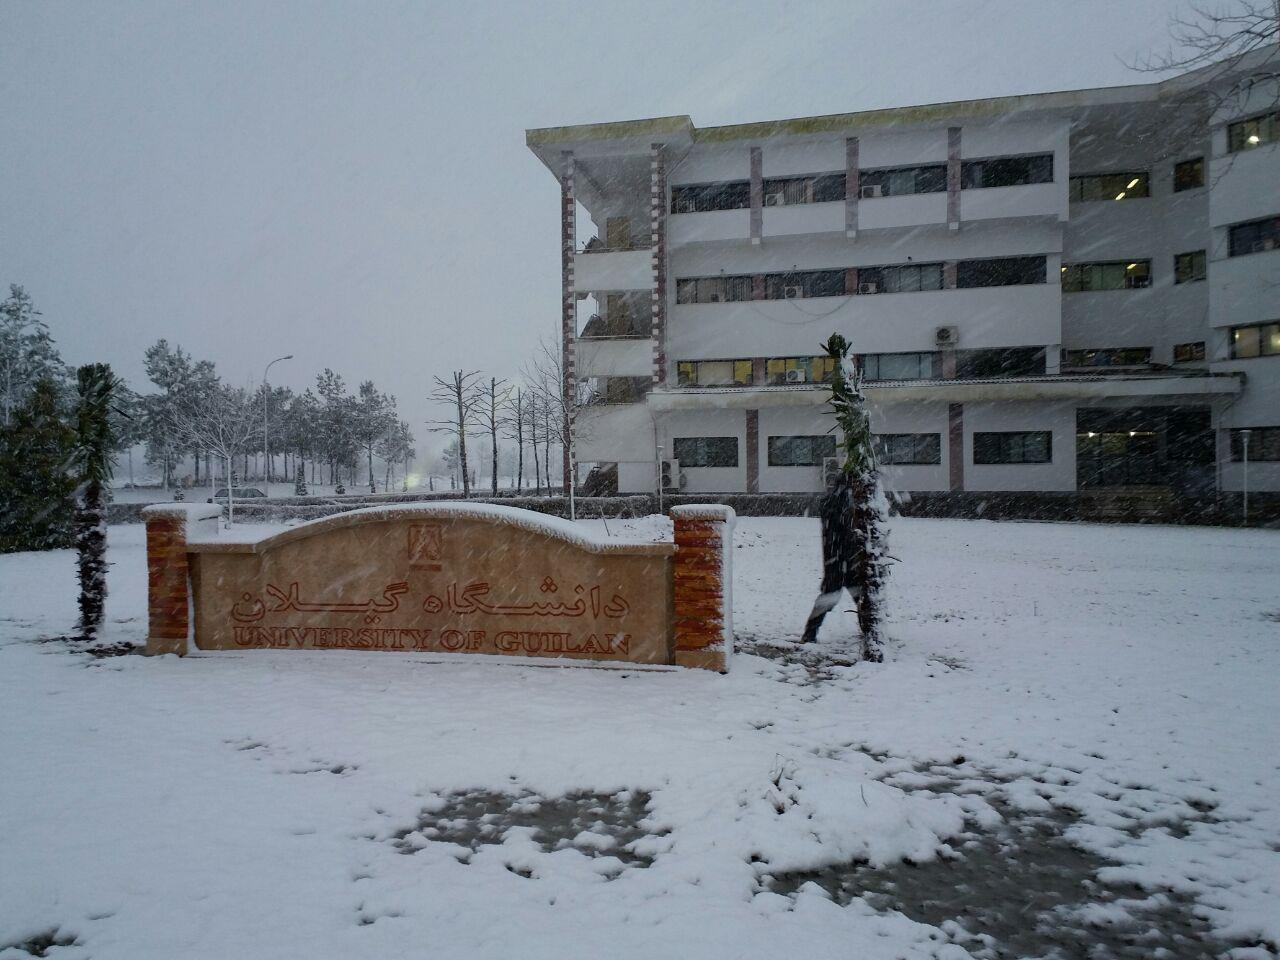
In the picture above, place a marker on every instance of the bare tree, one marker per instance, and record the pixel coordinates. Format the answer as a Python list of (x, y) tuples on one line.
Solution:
[(225, 422), (513, 422), (490, 406), (557, 409), (459, 392)]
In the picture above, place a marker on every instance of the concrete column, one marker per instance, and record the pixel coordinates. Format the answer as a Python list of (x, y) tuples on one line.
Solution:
[(852, 187), (953, 178), (757, 195), (757, 286), (703, 585), (950, 270), (753, 449), (168, 572), (658, 259), (851, 280), (955, 446), (568, 298)]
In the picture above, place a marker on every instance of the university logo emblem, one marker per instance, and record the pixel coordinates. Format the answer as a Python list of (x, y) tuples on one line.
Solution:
[(425, 543)]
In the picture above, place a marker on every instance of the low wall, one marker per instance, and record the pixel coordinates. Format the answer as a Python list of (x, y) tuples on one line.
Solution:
[(442, 577)]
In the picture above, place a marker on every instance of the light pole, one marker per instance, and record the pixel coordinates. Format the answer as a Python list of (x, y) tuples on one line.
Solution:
[(266, 403), (1244, 483)]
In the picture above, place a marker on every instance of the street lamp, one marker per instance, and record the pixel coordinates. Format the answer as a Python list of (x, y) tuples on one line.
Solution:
[(266, 403), (1244, 483)]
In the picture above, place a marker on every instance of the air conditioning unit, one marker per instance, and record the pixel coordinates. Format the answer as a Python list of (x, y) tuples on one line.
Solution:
[(672, 476), (946, 336), (775, 199), (795, 376), (872, 190), (793, 292), (830, 471), (869, 286)]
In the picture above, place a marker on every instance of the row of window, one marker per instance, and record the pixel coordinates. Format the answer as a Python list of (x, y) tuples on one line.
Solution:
[(778, 371), (1255, 236), (1255, 340), (1034, 446)]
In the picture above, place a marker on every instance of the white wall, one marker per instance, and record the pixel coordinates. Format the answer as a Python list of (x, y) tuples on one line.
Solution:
[(1060, 474), (707, 423)]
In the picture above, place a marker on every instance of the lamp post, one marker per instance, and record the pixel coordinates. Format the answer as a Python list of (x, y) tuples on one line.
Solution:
[(1244, 483), (266, 404)]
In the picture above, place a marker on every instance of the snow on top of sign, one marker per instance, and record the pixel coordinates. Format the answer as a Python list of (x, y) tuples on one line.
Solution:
[(704, 511), (558, 527)]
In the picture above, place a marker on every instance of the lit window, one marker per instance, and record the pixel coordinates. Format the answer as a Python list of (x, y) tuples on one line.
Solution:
[(1109, 186), (1254, 132)]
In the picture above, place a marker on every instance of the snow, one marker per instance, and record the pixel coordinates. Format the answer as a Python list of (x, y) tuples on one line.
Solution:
[(247, 803)]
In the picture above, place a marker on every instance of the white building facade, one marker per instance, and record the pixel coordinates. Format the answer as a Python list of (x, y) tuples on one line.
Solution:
[(1061, 293)]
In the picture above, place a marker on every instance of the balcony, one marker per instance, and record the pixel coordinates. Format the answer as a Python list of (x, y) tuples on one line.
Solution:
[(625, 267), (613, 357)]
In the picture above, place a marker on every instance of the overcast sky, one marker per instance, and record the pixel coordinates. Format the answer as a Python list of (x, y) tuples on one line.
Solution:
[(348, 182)]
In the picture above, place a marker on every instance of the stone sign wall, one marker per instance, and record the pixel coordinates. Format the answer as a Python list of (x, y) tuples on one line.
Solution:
[(443, 578)]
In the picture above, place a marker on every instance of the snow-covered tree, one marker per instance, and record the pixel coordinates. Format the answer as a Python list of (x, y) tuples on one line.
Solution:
[(37, 449), (95, 388), (27, 352), (226, 423), (372, 417)]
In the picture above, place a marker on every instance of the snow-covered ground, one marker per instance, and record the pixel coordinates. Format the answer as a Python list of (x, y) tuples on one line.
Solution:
[(287, 804)]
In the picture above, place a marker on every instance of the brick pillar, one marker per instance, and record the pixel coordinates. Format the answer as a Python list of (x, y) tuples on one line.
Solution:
[(658, 259), (953, 178), (851, 187), (568, 299), (703, 585), (753, 451), (168, 573), (955, 446), (757, 194)]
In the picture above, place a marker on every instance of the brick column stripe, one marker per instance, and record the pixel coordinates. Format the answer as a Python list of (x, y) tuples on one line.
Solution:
[(852, 187), (658, 259), (753, 451), (953, 178), (757, 194), (568, 297), (702, 581), (955, 446)]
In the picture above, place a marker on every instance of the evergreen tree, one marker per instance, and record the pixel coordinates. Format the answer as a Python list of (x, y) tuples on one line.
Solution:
[(37, 487), (95, 385), (27, 352), (854, 512)]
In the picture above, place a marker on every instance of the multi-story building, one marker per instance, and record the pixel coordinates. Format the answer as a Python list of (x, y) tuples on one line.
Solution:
[(1075, 291)]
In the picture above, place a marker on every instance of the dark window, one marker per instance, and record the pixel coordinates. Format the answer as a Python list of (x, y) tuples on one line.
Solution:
[(1264, 444), (1002, 272), (800, 451), (1189, 266), (1006, 362), (1188, 175), (1254, 132), (1109, 186), (801, 284), (703, 197), (1006, 171), (1029, 447), (608, 390), (1258, 340), (714, 373), (907, 278), (785, 191), (706, 451), (1188, 352), (898, 181), (713, 289), (1110, 275), (1111, 357), (898, 366), (1255, 236), (908, 447), (780, 371)]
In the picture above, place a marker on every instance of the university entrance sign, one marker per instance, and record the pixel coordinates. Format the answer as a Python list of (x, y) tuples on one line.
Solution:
[(442, 578)]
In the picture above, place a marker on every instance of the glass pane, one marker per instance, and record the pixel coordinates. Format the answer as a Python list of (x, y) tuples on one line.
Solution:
[(712, 373), (1271, 339)]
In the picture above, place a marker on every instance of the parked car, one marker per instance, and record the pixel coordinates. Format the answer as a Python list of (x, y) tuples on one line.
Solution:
[(240, 493)]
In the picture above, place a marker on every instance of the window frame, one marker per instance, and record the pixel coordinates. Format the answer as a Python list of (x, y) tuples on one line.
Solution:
[(1102, 357), (884, 177), (737, 365), (807, 186), (1198, 257), (1267, 240), (778, 377), (724, 186), (925, 449), (965, 269), (1076, 192), (678, 442), (980, 163), (877, 359), (1268, 340), (1271, 119), (1196, 163), (1196, 349), (1077, 271), (1006, 443), (827, 442)]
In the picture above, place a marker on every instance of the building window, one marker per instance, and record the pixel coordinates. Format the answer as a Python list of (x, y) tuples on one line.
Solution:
[(999, 363), (1254, 132), (1189, 266), (1006, 171), (1264, 444), (706, 451), (1110, 357), (713, 289), (714, 373), (704, 197), (1023, 447), (898, 181), (1112, 275), (779, 371), (908, 278), (785, 191), (1109, 186), (800, 451), (610, 390), (897, 366), (1188, 174), (1188, 352), (905, 448), (801, 284), (1255, 237), (1258, 340), (1001, 272)]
